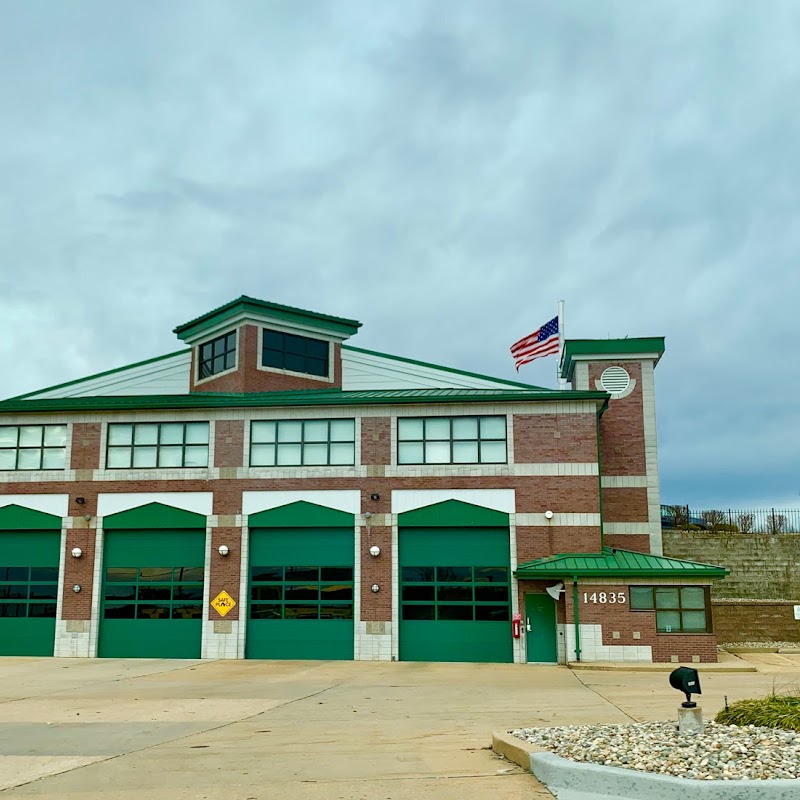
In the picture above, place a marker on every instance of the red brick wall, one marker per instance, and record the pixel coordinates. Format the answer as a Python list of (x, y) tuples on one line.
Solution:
[(540, 541), (225, 570), (577, 494), (78, 571), (376, 440), (625, 505), (249, 378), (85, 445), (639, 543), (622, 425), (229, 443), (619, 617), (376, 606), (550, 438)]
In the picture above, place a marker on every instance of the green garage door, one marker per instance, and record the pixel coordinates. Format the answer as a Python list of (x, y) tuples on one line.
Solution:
[(152, 603), (28, 591), (301, 584), (455, 586)]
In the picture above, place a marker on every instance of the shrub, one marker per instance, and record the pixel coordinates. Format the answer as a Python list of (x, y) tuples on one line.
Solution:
[(775, 711)]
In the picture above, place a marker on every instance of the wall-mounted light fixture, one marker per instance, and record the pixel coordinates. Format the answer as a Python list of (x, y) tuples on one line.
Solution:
[(77, 552), (548, 514), (87, 517), (223, 550), (374, 496), (76, 588), (80, 500), (375, 587), (374, 551), (368, 515)]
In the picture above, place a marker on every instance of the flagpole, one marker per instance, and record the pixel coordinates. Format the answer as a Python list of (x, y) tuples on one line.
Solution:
[(562, 382)]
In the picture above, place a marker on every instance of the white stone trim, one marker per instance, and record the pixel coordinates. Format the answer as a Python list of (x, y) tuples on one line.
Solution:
[(97, 591), (347, 500), (627, 528), (112, 503), (545, 469), (624, 481), (55, 504), (561, 520), (38, 476), (593, 649), (651, 457), (395, 641), (518, 650), (244, 588), (581, 376), (409, 499)]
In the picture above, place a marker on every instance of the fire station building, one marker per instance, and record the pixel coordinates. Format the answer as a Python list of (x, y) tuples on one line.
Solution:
[(270, 492)]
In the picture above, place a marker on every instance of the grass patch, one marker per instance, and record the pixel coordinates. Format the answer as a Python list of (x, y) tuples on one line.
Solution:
[(775, 711)]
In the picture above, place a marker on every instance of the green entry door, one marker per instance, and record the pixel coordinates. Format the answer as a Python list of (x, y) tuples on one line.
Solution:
[(152, 603), (540, 628), (28, 592), (301, 593), (455, 594)]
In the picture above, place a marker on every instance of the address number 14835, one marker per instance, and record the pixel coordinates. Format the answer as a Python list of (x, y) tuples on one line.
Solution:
[(604, 597)]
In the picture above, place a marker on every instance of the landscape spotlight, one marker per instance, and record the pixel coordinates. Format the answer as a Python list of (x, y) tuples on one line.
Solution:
[(686, 680)]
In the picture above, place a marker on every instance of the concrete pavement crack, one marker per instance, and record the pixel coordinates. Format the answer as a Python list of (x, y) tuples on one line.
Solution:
[(603, 697)]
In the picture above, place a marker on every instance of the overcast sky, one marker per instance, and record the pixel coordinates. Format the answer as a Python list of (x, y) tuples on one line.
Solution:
[(443, 171)]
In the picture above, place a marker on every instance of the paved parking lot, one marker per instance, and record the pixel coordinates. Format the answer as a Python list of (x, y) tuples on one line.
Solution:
[(247, 730)]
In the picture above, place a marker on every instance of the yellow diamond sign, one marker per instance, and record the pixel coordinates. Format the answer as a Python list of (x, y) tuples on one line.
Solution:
[(223, 603)]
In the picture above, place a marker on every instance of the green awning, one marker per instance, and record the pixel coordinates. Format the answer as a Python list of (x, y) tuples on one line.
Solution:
[(614, 563)]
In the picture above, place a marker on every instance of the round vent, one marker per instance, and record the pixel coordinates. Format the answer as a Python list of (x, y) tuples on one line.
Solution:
[(615, 380)]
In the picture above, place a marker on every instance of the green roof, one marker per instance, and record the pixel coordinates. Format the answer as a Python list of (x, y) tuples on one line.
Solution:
[(307, 397), (251, 305), (613, 563), (607, 349)]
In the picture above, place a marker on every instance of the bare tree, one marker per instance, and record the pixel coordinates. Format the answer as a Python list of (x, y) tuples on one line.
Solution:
[(746, 522)]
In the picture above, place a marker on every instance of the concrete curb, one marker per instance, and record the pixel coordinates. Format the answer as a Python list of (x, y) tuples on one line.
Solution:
[(627, 666), (573, 780)]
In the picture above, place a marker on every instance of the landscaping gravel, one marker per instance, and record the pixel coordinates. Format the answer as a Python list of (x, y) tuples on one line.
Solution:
[(722, 752), (776, 645)]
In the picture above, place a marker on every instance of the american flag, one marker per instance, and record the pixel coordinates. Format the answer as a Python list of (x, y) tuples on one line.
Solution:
[(540, 343)]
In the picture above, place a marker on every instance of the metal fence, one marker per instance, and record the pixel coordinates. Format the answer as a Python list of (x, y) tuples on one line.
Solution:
[(759, 520)]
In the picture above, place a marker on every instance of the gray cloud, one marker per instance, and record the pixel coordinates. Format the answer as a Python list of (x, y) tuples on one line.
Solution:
[(443, 171)]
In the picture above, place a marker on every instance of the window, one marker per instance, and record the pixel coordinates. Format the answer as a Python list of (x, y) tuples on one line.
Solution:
[(451, 440), (679, 609), (294, 353), (157, 444), (310, 442), (456, 593), (28, 592), (301, 593), (33, 446), (217, 355), (153, 593)]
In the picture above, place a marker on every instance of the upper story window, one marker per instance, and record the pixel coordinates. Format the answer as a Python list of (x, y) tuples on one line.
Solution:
[(306, 443), (451, 440), (33, 447), (294, 353), (157, 444), (679, 609), (217, 356)]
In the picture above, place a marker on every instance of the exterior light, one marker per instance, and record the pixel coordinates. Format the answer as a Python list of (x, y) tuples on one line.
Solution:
[(87, 517), (374, 496), (368, 515), (375, 588), (80, 500), (548, 514), (77, 552), (76, 588), (223, 550), (374, 551)]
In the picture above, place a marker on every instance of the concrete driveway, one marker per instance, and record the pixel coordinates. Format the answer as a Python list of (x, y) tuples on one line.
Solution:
[(247, 730)]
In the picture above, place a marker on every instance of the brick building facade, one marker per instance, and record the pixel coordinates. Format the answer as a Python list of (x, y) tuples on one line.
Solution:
[(350, 503)]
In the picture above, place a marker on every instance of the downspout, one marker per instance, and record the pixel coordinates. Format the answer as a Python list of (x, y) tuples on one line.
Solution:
[(576, 617)]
